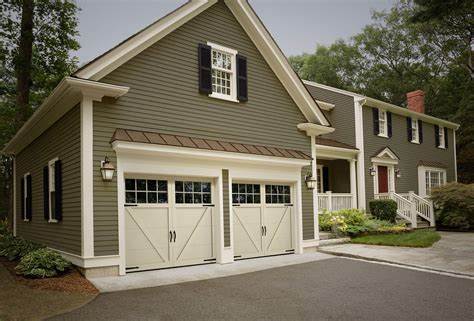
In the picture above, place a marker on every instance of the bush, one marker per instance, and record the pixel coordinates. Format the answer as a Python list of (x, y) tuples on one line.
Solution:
[(454, 206), (14, 248), (4, 228), (384, 209), (42, 263)]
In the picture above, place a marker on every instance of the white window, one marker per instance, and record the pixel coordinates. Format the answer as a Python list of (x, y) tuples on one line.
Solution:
[(383, 123), (52, 190), (434, 178), (415, 133), (224, 83), (25, 197), (441, 137)]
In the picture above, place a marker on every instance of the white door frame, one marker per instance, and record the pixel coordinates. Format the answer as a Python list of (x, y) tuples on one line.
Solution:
[(388, 159)]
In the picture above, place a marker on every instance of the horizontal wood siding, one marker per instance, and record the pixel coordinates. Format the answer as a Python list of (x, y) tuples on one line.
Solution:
[(410, 154), (61, 140), (164, 97), (225, 192), (341, 117), (307, 205)]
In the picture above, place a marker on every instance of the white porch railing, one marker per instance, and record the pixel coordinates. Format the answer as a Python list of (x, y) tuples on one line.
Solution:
[(334, 201), (410, 205)]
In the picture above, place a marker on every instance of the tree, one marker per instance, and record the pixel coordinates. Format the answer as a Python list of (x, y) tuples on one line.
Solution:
[(36, 38)]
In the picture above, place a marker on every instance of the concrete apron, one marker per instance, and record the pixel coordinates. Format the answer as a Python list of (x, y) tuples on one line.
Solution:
[(155, 278)]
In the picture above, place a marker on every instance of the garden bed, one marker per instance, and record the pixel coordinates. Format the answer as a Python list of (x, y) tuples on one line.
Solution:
[(418, 238)]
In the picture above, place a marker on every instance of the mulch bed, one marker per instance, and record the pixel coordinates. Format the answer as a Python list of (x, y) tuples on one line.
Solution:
[(72, 281)]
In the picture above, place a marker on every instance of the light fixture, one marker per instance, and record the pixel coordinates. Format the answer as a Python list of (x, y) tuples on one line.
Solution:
[(372, 171), (107, 170), (311, 182), (398, 172)]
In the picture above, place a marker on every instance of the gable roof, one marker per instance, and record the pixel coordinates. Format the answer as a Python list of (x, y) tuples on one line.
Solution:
[(248, 19), (385, 151)]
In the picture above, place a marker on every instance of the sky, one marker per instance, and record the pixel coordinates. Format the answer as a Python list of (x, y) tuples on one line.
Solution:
[(297, 25)]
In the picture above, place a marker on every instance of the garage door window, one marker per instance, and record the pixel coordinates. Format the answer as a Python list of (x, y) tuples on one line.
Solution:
[(188, 192), (245, 194), (146, 191), (277, 194)]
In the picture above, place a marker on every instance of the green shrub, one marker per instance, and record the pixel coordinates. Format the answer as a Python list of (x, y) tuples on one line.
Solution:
[(4, 228), (325, 223), (42, 263), (14, 248), (454, 206), (384, 209)]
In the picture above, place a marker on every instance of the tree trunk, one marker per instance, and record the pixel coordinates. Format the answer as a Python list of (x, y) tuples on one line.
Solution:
[(23, 63)]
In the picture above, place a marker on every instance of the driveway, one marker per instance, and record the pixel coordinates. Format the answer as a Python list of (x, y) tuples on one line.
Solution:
[(332, 289), (454, 253)]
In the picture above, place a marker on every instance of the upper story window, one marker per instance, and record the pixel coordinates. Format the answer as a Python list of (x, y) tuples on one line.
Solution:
[(383, 123), (415, 134), (441, 137), (223, 72), (26, 200), (52, 191)]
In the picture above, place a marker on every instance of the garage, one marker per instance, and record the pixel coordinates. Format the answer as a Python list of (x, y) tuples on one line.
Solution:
[(263, 219), (168, 222)]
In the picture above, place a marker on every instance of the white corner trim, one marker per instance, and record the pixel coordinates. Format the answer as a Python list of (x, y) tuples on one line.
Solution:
[(87, 178), (359, 137), (314, 129), (144, 148)]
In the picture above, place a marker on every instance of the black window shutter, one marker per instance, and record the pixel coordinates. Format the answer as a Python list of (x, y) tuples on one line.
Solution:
[(436, 135), (420, 131), (375, 114), (325, 179), (58, 215), (205, 72), (409, 133), (242, 87), (29, 199), (46, 193), (445, 137), (23, 212), (389, 123)]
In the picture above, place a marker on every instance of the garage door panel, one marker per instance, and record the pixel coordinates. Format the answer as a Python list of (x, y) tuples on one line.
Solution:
[(247, 231), (278, 221)]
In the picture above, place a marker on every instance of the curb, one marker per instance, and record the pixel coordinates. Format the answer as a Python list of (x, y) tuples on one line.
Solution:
[(422, 267)]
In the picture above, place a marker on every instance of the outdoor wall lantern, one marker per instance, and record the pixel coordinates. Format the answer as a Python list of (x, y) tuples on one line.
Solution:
[(372, 171), (107, 170), (311, 182), (398, 172)]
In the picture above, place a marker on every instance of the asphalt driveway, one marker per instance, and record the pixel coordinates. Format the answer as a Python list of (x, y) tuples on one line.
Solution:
[(332, 289)]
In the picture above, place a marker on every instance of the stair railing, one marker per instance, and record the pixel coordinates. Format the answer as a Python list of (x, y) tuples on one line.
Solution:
[(423, 207)]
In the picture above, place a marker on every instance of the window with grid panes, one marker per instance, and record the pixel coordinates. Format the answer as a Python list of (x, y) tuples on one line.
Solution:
[(277, 194), (192, 192), (245, 194), (146, 191)]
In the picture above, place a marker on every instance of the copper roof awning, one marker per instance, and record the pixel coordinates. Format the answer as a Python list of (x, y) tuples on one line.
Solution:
[(135, 136), (432, 164), (333, 143)]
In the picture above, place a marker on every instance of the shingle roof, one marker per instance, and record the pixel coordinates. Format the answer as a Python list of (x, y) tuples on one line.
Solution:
[(333, 143), (432, 164), (128, 135)]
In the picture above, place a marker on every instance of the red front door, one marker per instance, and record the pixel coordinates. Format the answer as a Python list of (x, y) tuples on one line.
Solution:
[(383, 179)]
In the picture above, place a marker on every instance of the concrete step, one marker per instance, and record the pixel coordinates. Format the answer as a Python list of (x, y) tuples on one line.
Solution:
[(328, 242), (326, 235)]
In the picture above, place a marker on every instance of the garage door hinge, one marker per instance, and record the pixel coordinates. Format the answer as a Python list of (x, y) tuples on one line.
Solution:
[(129, 205), (208, 205), (131, 268), (292, 250), (209, 260), (288, 204)]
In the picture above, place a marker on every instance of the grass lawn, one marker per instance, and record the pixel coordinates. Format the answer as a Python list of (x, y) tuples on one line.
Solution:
[(418, 238)]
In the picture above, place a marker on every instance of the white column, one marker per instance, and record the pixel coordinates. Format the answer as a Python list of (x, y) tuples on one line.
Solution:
[(87, 178), (315, 191), (352, 167), (359, 135)]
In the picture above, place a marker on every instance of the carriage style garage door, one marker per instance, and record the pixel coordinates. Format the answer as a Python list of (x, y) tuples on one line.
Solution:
[(262, 219), (168, 223)]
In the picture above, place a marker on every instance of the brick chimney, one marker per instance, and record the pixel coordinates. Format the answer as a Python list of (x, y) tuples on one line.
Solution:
[(416, 101)]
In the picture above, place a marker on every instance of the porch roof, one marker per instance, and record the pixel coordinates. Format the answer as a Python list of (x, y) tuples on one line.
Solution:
[(135, 136), (333, 143)]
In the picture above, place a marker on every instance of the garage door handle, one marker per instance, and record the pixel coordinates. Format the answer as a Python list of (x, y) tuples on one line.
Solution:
[(171, 236), (174, 233), (263, 231), (265, 228)]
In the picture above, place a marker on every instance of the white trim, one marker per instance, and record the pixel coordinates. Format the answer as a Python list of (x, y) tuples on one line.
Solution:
[(384, 125), (185, 152), (353, 181), (359, 138), (331, 152), (14, 196), (25, 196), (415, 139), (87, 178), (233, 83), (441, 138), (314, 168), (422, 178), (67, 94), (90, 262), (325, 105), (371, 102), (314, 129), (390, 176), (455, 157)]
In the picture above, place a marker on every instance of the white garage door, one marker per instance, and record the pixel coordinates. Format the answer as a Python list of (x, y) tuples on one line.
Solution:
[(262, 219), (168, 223)]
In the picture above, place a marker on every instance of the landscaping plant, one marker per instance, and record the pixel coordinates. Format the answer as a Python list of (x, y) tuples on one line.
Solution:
[(383, 209), (454, 206), (42, 263), (14, 248)]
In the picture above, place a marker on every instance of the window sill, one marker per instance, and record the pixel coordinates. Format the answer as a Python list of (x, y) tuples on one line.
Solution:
[(223, 97), (415, 142), (441, 147), (383, 135), (52, 221), (26, 220)]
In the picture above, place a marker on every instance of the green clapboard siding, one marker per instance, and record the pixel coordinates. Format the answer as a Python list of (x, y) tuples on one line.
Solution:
[(164, 97), (225, 191), (410, 154), (307, 205), (61, 140)]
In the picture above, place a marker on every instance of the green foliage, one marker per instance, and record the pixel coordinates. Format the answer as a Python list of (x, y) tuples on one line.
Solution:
[(4, 227), (42, 263), (418, 238), (384, 209), (454, 206), (14, 248)]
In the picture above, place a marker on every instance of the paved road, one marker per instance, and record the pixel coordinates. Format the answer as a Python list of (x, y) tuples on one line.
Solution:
[(333, 289)]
